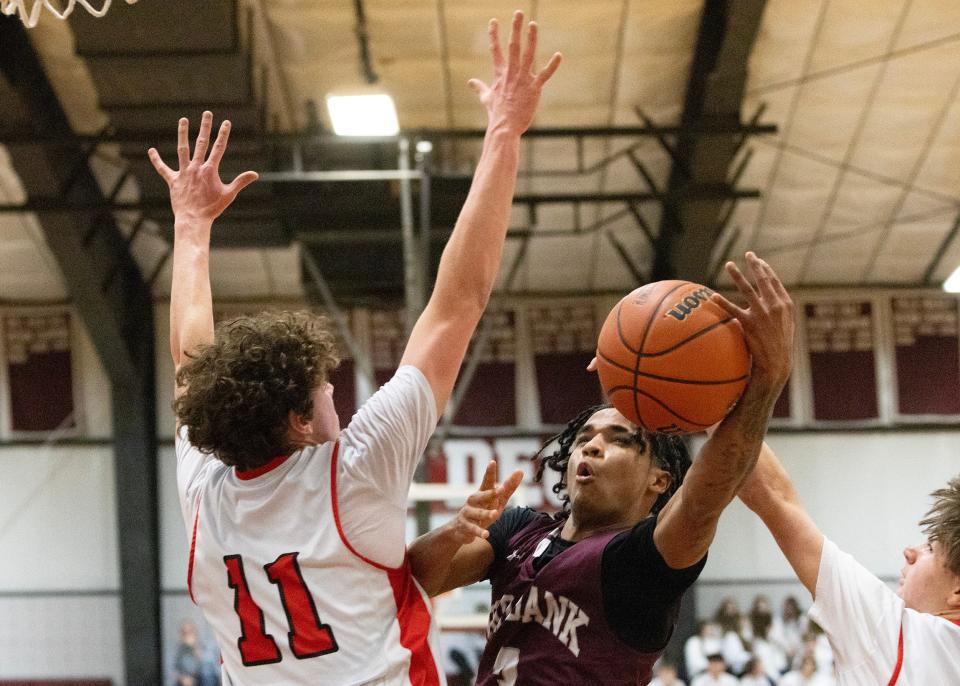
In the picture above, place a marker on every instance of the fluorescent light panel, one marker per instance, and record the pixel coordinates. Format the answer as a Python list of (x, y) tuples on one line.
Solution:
[(363, 115), (952, 284)]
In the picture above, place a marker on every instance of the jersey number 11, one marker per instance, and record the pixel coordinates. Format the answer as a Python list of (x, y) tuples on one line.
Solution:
[(308, 636)]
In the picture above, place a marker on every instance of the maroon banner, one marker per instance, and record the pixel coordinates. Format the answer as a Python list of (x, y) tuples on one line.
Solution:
[(39, 371), (927, 355), (564, 341), (842, 361)]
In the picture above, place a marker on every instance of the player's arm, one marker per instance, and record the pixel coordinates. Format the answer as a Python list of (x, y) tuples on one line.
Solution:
[(688, 522), (458, 553), (471, 259), (770, 493), (197, 196)]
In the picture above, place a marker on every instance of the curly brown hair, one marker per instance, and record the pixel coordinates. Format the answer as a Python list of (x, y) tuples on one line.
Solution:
[(240, 389), (942, 523)]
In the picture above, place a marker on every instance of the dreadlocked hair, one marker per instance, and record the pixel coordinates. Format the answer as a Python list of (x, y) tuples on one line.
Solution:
[(669, 451)]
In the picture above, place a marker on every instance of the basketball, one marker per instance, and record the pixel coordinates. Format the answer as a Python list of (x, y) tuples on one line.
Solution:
[(670, 360)]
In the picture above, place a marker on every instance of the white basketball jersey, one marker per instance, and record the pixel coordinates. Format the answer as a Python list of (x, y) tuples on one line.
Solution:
[(299, 566), (876, 640)]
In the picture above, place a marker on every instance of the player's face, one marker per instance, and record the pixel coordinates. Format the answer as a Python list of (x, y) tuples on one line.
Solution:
[(925, 582), (608, 474), (324, 424)]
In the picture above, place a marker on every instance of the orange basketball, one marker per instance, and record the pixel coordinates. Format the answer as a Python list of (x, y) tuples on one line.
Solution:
[(670, 360)]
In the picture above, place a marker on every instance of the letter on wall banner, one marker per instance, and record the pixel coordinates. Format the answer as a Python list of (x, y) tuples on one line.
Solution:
[(927, 355), (843, 367), (39, 371), (564, 341)]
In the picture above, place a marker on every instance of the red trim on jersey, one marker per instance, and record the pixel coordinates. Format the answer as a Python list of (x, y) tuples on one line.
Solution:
[(414, 617), (336, 513), (899, 665), (247, 474), (413, 614), (193, 548)]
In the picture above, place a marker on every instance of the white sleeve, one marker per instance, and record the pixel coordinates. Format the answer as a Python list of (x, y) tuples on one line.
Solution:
[(859, 613), (191, 472), (389, 434)]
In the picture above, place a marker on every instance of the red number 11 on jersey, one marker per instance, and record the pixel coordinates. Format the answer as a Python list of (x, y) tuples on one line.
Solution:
[(308, 636)]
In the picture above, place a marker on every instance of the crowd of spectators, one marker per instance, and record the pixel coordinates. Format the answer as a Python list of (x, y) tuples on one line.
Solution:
[(759, 648)]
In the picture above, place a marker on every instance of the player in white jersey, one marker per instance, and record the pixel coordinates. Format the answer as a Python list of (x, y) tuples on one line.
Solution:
[(297, 530), (910, 637)]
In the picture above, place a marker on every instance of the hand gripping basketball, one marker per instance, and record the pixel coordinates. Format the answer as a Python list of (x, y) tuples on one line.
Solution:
[(768, 322)]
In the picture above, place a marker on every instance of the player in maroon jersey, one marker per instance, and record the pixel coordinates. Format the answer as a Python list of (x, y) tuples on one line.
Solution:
[(591, 595)]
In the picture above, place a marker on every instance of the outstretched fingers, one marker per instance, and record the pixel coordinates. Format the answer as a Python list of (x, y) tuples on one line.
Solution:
[(548, 70), (220, 145), (727, 306), (203, 138), (162, 169), (508, 487), (241, 182), (493, 31), (489, 476), (513, 47), (530, 50), (183, 145), (743, 285)]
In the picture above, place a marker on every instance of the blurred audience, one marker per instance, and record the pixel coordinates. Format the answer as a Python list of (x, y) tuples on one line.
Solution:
[(716, 674), (806, 675), (665, 674), (755, 675), (707, 641), (760, 647), (733, 626)]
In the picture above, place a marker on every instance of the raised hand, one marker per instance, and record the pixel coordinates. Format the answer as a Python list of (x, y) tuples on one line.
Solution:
[(511, 100), (768, 321), (485, 506), (196, 191)]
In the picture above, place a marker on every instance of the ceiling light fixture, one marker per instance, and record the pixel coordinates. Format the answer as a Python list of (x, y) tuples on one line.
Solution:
[(363, 115), (952, 284)]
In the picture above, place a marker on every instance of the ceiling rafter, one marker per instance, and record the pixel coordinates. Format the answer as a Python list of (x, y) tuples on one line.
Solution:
[(691, 227)]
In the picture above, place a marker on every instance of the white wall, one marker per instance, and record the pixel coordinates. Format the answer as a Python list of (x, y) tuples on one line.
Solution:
[(866, 491), (58, 564)]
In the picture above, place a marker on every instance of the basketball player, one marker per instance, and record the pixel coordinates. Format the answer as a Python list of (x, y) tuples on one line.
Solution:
[(591, 596), (910, 637), (297, 530)]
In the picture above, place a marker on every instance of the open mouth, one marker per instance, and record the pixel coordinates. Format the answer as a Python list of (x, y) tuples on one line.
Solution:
[(584, 472)]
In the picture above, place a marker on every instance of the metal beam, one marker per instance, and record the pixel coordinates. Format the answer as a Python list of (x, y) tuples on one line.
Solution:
[(691, 224), (308, 205), (160, 138), (118, 312)]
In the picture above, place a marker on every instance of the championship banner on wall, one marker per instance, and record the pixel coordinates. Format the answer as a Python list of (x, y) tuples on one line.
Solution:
[(927, 355), (39, 371)]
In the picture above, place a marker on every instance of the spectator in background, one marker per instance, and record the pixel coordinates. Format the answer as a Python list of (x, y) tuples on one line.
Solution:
[(716, 674), (707, 641), (191, 666), (807, 675), (755, 674), (666, 675), (761, 622), (732, 624), (816, 645), (789, 628)]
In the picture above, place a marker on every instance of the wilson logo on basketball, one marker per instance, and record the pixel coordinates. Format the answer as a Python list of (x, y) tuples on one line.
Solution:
[(689, 303)]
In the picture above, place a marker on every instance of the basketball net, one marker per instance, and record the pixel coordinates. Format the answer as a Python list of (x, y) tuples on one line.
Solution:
[(30, 14)]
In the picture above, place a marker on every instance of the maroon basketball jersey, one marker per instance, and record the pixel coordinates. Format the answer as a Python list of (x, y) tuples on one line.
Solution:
[(549, 627)]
